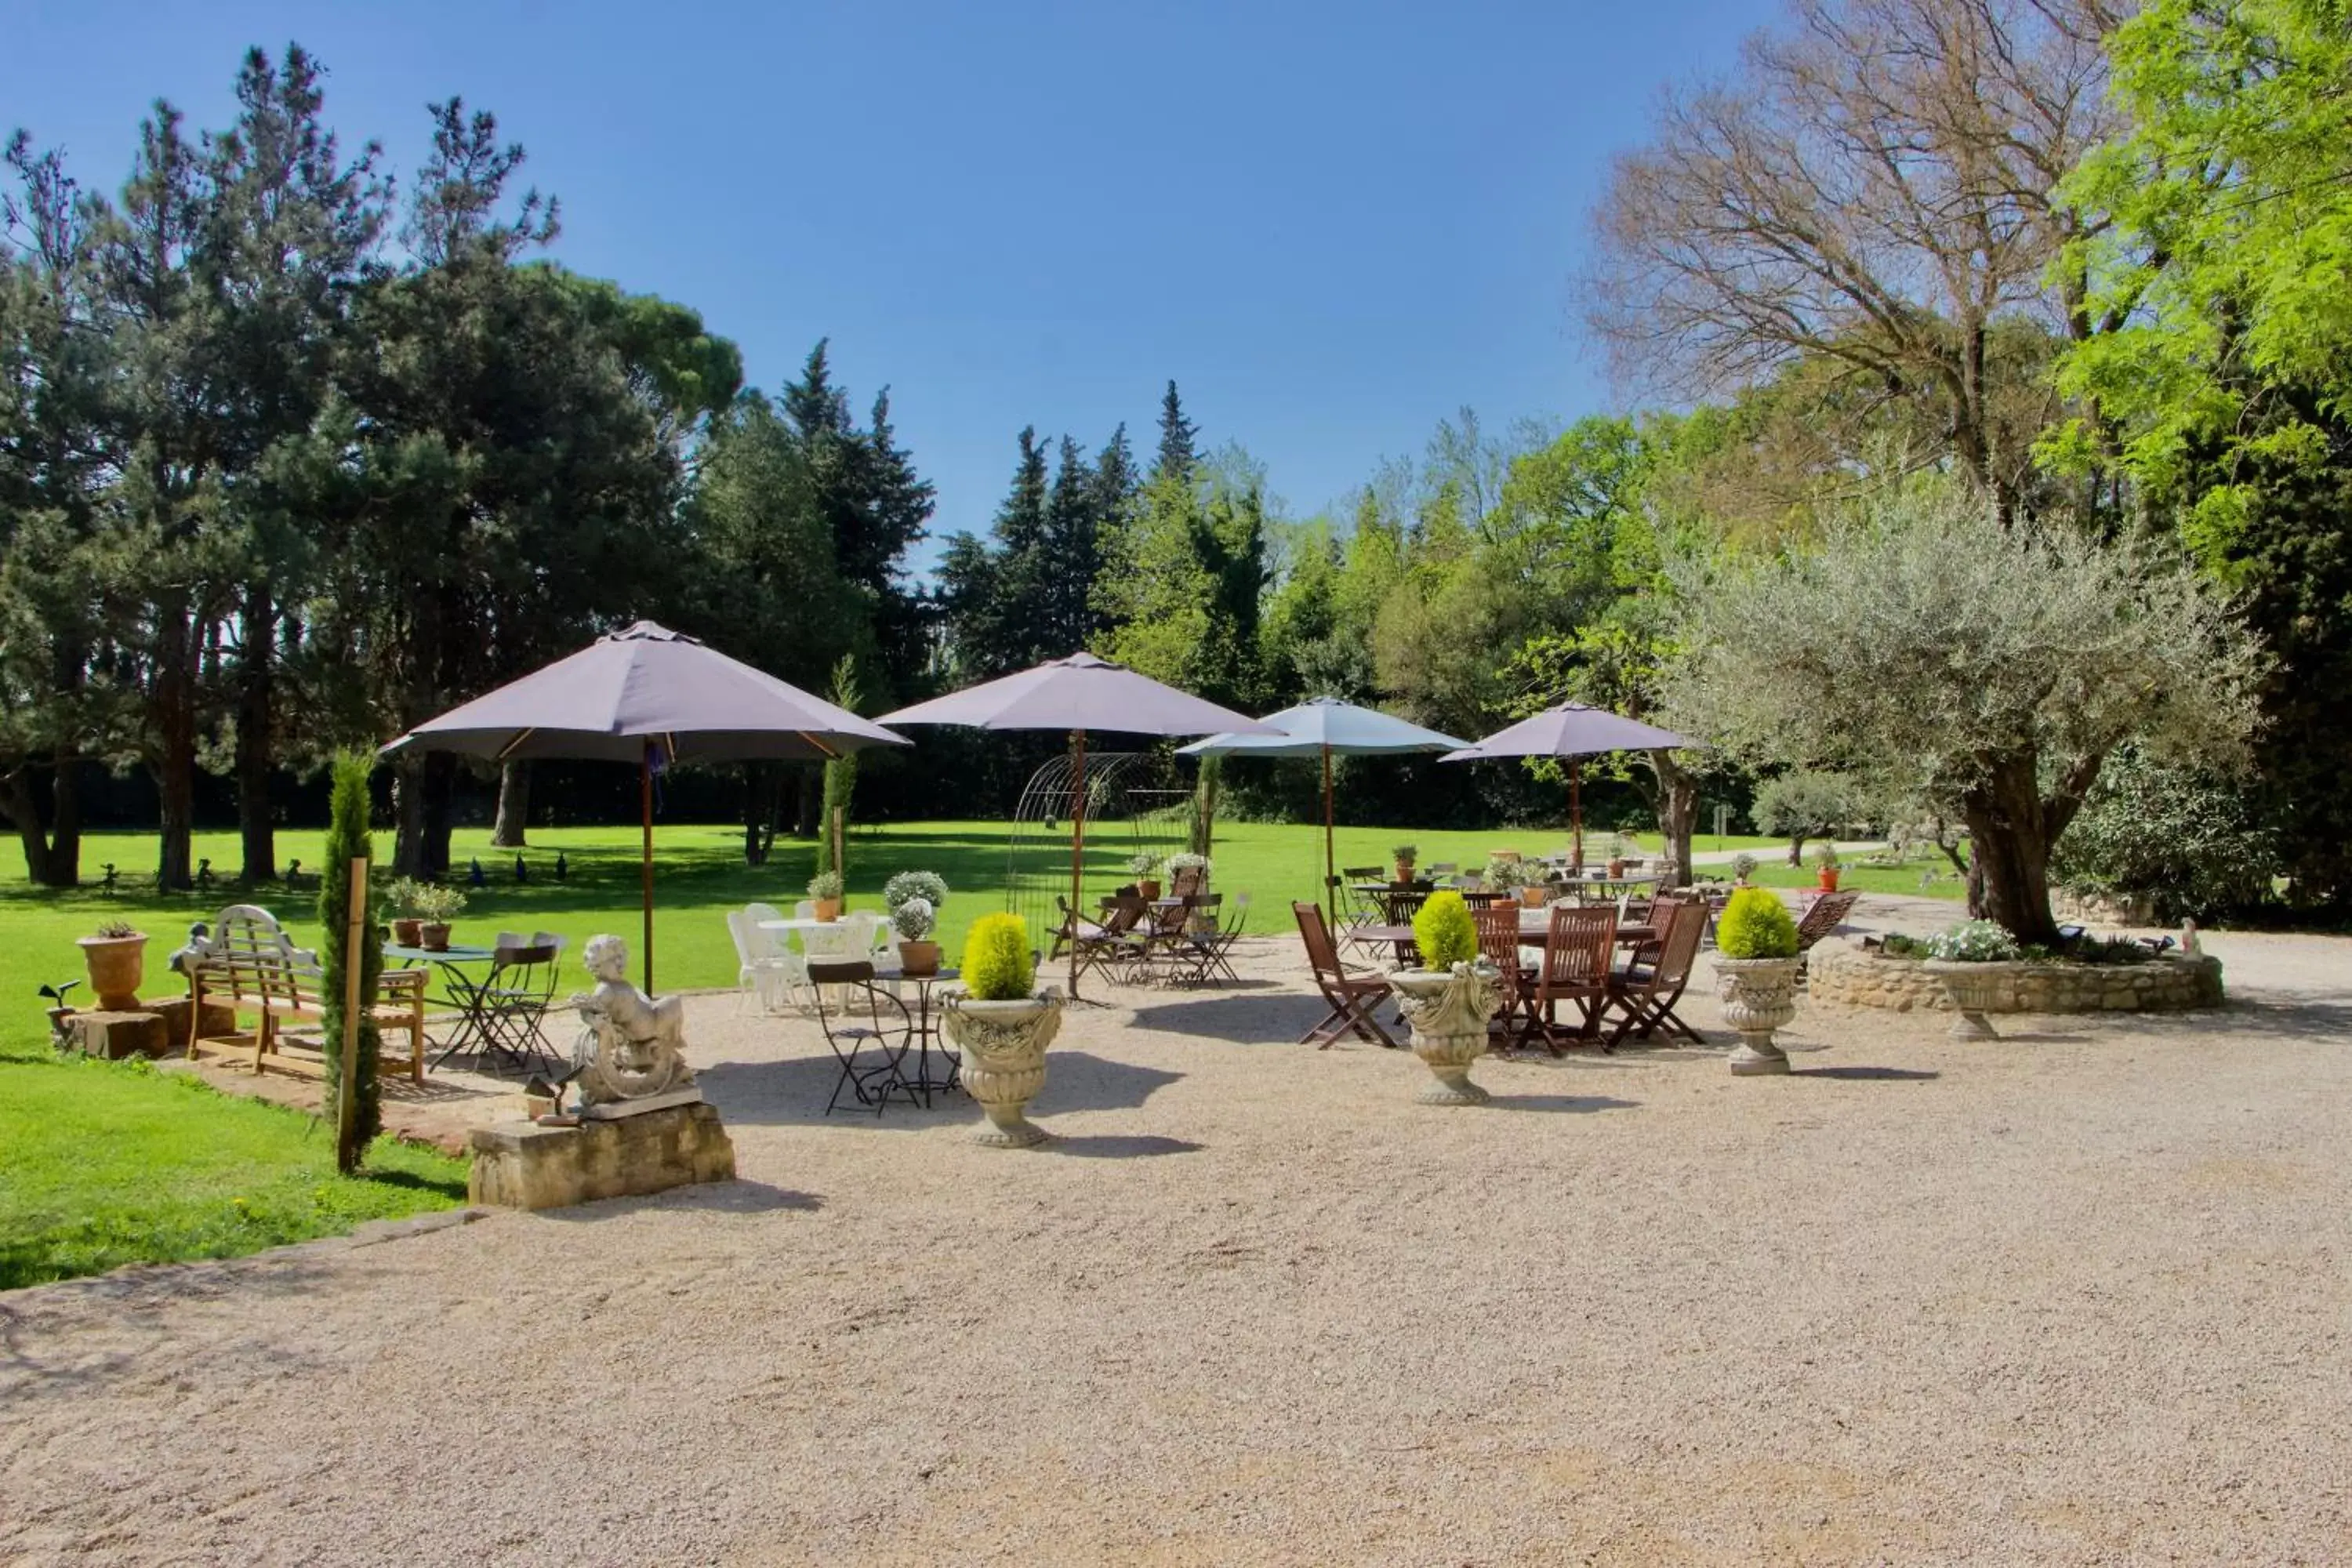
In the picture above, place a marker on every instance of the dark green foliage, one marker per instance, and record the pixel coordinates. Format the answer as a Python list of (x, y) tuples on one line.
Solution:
[(840, 773), (347, 840), (2191, 844), (1177, 455)]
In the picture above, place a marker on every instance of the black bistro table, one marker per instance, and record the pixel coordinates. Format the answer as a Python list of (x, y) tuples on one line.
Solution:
[(459, 990), (926, 1023)]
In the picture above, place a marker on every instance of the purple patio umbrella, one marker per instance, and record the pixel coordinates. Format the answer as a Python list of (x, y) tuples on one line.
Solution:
[(642, 694), (1572, 731), (1077, 694)]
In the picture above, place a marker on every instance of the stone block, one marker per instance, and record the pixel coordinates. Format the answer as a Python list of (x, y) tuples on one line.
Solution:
[(115, 1035), (520, 1164), (219, 1019)]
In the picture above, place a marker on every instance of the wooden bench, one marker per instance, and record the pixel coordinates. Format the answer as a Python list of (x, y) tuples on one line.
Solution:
[(249, 965)]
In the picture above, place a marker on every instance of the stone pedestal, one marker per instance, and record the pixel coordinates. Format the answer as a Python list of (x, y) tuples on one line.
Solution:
[(520, 1164), (113, 1034), (219, 1019)]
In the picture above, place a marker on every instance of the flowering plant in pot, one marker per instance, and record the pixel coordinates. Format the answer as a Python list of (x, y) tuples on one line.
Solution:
[(913, 920), (1506, 873), (824, 892), (116, 956), (1450, 999), (906, 885), (1144, 869), (1963, 956), (1756, 975), (436, 907), (1001, 1024), (1188, 874), (1743, 866), (1406, 856), (1825, 866)]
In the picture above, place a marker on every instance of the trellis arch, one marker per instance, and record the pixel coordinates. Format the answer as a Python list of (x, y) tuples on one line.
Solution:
[(1137, 803)]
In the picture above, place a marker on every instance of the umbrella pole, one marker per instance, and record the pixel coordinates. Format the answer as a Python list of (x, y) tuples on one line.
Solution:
[(646, 869), (1077, 848), (1330, 877), (1575, 809)]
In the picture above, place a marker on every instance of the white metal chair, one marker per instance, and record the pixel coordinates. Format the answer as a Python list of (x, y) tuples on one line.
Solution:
[(767, 970)]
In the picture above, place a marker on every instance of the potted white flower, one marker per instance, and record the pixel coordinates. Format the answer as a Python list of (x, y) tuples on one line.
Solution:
[(1755, 976), (1145, 870), (913, 920)]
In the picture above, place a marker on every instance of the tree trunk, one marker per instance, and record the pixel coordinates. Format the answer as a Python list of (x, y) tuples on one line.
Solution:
[(1797, 849), (440, 803), (508, 832), (759, 808), (420, 797), (807, 804), (172, 715), (19, 804), (257, 676), (65, 815), (1677, 816), (2012, 850)]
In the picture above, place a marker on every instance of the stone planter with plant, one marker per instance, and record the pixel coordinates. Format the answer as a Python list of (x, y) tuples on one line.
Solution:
[(1964, 957), (116, 956), (1001, 1024), (1756, 975), (824, 892), (1449, 1000), (436, 905)]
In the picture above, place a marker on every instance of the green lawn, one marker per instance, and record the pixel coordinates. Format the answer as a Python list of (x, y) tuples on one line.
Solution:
[(1773, 870)]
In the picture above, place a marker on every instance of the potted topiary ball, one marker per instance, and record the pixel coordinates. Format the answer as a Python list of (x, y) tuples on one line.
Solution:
[(1755, 973), (116, 957), (1001, 1024), (1450, 999), (824, 892), (913, 920)]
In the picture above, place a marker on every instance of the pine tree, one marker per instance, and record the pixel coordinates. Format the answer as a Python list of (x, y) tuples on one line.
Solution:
[(347, 840), (1071, 555), (1179, 454)]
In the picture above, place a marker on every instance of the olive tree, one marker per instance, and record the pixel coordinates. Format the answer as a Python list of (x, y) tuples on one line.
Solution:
[(1985, 670), (1801, 805)]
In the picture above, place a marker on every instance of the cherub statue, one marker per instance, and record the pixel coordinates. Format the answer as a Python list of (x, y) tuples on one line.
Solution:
[(633, 1044)]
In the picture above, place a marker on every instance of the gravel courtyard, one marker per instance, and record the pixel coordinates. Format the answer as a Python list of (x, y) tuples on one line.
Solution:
[(2081, 1296)]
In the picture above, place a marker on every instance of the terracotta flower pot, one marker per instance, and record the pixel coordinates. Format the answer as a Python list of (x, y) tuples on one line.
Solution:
[(1004, 1065), (919, 958), (404, 932), (433, 936), (1449, 1011), (1760, 995), (1616, 867), (1146, 887), (117, 964), (1404, 873), (1827, 878), (828, 910), (1534, 897)]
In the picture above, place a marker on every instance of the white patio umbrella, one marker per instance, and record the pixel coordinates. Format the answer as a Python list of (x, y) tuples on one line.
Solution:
[(645, 693), (1572, 731), (1324, 726), (1078, 693)]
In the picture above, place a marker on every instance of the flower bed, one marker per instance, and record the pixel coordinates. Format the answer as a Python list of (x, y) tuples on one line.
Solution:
[(1845, 972)]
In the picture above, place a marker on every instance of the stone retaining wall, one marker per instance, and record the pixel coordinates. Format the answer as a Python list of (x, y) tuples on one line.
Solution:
[(1844, 973)]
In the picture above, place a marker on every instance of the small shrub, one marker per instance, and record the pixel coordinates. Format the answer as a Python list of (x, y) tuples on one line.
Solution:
[(398, 897), (114, 930), (928, 885), (437, 903), (1405, 855), (1825, 856), (1143, 864), (1506, 872), (913, 919), (1743, 866), (1974, 942), (2190, 843), (1445, 931), (998, 966), (1755, 923), (1900, 946), (824, 885)]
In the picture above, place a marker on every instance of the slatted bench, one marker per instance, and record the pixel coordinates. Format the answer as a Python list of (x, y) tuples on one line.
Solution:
[(249, 966)]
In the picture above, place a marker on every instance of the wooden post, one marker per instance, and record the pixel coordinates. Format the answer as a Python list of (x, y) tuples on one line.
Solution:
[(1576, 809), (1330, 876), (347, 1107), (1077, 848), (646, 803), (839, 828)]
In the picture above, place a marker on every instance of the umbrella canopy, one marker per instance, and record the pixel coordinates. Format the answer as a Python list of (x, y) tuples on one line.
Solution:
[(1318, 728), (648, 684), (641, 692), (1321, 724), (1572, 731), (1077, 694)]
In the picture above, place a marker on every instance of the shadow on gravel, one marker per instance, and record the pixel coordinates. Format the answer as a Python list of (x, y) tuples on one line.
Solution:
[(792, 1092), (1241, 1020), (710, 1197), (1116, 1145), (1867, 1075), (1571, 1104)]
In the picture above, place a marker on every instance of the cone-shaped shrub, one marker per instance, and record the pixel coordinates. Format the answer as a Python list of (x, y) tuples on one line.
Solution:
[(347, 840), (1756, 924), (998, 966), (1445, 931)]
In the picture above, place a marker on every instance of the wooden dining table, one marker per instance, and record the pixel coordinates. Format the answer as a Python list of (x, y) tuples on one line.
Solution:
[(1535, 925)]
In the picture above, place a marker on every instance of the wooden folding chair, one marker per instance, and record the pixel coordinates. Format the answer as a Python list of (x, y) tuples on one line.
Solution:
[(1500, 945), (1352, 997), (1575, 969), (1645, 992)]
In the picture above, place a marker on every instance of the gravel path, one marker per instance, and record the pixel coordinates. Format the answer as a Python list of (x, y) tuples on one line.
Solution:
[(2081, 1296)]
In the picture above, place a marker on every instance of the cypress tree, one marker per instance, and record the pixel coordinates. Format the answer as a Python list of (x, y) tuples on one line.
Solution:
[(840, 773), (1178, 452), (347, 840)]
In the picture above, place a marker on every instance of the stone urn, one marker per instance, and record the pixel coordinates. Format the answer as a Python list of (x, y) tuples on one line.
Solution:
[(1004, 1046), (117, 964), (1759, 995), (1449, 1011), (1975, 990)]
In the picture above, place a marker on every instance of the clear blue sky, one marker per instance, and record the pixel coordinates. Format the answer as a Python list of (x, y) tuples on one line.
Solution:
[(1333, 224)]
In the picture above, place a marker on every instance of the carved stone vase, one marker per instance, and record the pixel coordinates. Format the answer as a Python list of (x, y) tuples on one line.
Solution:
[(1449, 1011), (1975, 990), (1004, 1046), (1760, 995)]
